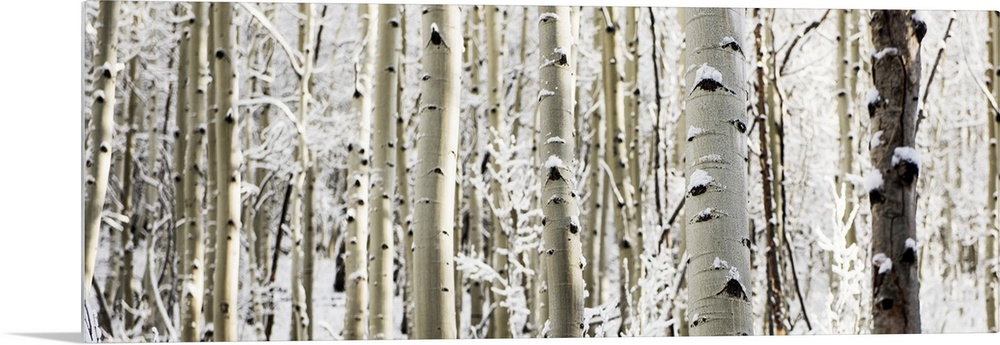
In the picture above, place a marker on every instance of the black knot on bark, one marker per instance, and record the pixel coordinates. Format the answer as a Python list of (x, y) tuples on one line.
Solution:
[(740, 126), (908, 171), (734, 289), (350, 147), (635, 92), (438, 171), (886, 303), (609, 28), (364, 161), (558, 201), (106, 73), (220, 54), (230, 119), (390, 69), (875, 196), (625, 244), (444, 289), (710, 85), (432, 107), (909, 256), (562, 61), (919, 29), (104, 148), (551, 251), (732, 45), (554, 174), (746, 242), (543, 221), (394, 23), (357, 94), (475, 90), (698, 190), (224, 307), (436, 37), (361, 202), (873, 105), (385, 246), (424, 11)]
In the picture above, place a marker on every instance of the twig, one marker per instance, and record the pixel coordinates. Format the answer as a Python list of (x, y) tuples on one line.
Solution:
[(673, 216), (269, 321), (795, 278), (791, 47), (937, 60)]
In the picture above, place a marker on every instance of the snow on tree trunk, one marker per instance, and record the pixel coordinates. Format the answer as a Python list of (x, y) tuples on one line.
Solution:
[(356, 258), (98, 165), (302, 198), (381, 248), (211, 182), (437, 147), (896, 75), (716, 209), (230, 162), (403, 180), (561, 236), (496, 109), (632, 110), (194, 188), (183, 110)]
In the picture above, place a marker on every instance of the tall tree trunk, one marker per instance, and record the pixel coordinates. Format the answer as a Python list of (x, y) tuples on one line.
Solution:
[(776, 323), (892, 185), (129, 227), (476, 248), (561, 236), (496, 110), (593, 274), (718, 299), (356, 257), (194, 189), (302, 198), (183, 111), (98, 165), (631, 114), (381, 247), (230, 161), (437, 147), (212, 188), (678, 160), (845, 115), (616, 157), (992, 283), (403, 181)]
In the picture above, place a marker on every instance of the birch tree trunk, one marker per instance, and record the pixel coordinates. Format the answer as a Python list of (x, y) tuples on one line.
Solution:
[(845, 115), (403, 181), (301, 198), (500, 320), (381, 247), (715, 207), (129, 227), (98, 166), (194, 189), (993, 75), (212, 188), (182, 113), (631, 114), (356, 257), (437, 147), (230, 161), (892, 185), (561, 236)]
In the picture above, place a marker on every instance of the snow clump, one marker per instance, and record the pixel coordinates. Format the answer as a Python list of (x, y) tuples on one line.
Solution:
[(887, 51), (699, 178), (905, 153), (874, 180), (709, 73), (884, 263)]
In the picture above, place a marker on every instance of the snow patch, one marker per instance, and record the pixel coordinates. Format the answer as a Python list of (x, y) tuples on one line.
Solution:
[(553, 162), (734, 274), (876, 140), (699, 178), (887, 51), (547, 16), (910, 243), (874, 180), (545, 93), (555, 140), (727, 40), (884, 263), (705, 214), (872, 96), (719, 264), (362, 273), (709, 73), (918, 16), (711, 158), (694, 132), (905, 153)]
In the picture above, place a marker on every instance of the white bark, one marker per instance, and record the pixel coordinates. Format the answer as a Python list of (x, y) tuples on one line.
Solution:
[(437, 147), (500, 317), (98, 166), (719, 270), (230, 161)]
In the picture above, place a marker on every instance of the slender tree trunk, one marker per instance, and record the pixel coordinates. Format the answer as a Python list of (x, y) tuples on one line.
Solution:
[(437, 147), (381, 247), (403, 181), (716, 207), (992, 283), (301, 222), (593, 273), (845, 114), (776, 324), (680, 146), (476, 247), (98, 165), (194, 189), (129, 227), (561, 237), (230, 161), (500, 320), (183, 112), (212, 188), (356, 258), (892, 185), (636, 269)]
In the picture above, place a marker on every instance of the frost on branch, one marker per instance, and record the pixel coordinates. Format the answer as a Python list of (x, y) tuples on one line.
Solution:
[(906, 160), (698, 182), (874, 185), (884, 263)]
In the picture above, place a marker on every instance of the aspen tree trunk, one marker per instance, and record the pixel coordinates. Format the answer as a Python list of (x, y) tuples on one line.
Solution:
[(476, 289), (381, 247), (845, 115), (636, 269), (775, 145), (437, 147), (678, 160), (993, 75), (457, 248), (212, 188), (616, 157), (230, 160), (561, 236), (194, 189), (129, 227), (356, 257), (776, 323), (301, 199), (403, 181), (593, 243), (98, 166), (182, 113), (896, 75), (500, 320), (715, 207)]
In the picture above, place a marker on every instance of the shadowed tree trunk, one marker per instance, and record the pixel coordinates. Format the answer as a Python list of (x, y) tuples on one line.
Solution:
[(892, 184)]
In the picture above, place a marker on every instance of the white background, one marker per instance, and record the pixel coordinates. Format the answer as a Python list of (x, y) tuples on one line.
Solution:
[(40, 169)]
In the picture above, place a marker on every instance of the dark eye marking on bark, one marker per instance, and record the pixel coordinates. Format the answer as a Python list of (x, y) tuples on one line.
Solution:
[(734, 289), (711, 85), (886, 303), (625, 244), (919, 29), (438, 171), (740, 126), (557, 200), (908, 171), (554, 174), (875, 196), (909, 256), (436, 38), (873, 105), (219, 54), (732, 45), (562, 61), (573, 228)]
